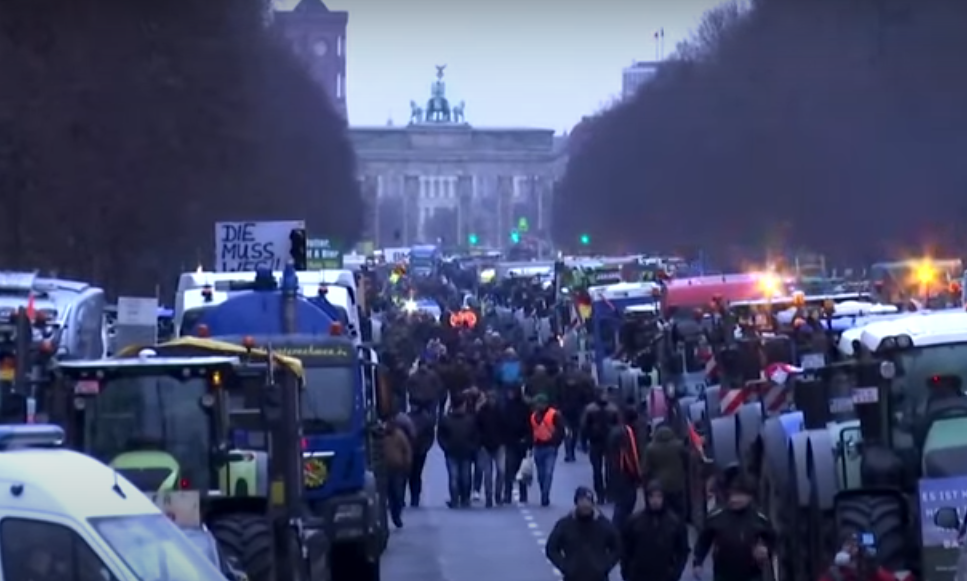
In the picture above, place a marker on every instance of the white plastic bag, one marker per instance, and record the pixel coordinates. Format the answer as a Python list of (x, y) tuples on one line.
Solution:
[(526, 472)]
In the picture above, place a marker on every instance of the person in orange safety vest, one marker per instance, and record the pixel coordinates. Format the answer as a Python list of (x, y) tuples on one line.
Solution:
[(624, 466), (548, 429)]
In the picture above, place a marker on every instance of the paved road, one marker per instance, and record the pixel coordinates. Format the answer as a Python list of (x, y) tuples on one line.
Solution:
[(502, 543)]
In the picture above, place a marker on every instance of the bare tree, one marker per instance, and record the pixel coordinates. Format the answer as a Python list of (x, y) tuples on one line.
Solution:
[(808, 125), (128, 129)]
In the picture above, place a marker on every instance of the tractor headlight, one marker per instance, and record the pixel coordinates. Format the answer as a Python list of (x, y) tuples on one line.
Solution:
[(887, 370)]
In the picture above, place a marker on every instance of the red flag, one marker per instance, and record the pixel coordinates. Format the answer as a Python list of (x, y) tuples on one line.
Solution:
[(30, 307)]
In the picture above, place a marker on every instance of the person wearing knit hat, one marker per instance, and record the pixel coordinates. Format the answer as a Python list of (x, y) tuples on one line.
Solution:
[(583, 498), (584, 545)]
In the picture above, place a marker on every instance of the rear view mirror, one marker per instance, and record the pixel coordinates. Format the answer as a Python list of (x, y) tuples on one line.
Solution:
[(946, 518)]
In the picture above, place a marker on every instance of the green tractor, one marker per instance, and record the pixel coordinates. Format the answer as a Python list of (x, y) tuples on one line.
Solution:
[(875, 431), (221, 424)]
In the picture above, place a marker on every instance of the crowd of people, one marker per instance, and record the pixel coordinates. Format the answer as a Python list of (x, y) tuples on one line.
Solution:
[(500, 420)]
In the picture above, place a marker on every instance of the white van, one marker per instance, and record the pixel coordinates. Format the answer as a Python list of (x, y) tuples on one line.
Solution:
[(65, 515)]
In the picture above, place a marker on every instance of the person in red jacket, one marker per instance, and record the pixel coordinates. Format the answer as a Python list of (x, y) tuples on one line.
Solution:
[(846, 565)]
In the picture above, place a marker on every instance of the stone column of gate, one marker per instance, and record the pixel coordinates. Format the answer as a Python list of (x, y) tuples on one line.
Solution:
[(505, 202), (464, 206), (411, 206)]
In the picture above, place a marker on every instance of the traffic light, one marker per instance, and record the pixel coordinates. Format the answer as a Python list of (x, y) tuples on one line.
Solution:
[(585, 239), (298, 249), (472, 239), (515, 237)]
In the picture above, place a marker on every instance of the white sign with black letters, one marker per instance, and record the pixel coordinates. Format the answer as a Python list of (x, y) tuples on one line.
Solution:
[(247, 246)]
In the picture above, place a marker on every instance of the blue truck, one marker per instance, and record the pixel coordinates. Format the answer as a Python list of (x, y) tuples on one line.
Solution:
[(340, 408)]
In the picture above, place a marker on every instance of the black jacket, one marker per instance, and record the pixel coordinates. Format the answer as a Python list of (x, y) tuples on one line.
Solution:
[(458, 435), (654, 546), (516, 416), (491, 426), (596, 422), (425, 423), (734, 534), (584, 549)]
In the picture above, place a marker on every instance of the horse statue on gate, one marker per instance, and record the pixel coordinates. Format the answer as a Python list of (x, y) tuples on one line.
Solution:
[(458, 116), (416, 113)]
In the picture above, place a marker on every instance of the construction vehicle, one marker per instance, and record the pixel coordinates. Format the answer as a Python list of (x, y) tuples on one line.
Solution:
[(342, 406), (166, 417), (66, 514)]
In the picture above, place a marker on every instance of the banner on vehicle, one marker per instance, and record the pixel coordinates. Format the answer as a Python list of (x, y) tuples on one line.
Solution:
[(941, 547)]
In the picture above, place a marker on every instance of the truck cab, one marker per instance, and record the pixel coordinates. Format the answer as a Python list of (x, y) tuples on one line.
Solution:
[(339, 405)]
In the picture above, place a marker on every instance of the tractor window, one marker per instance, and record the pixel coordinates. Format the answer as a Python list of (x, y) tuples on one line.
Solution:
[(918, 366), (328, 399), (188, 321), (152, 413)]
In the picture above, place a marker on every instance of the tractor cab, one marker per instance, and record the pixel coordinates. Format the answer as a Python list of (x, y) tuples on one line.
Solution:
[(167, 417), (155, 419)]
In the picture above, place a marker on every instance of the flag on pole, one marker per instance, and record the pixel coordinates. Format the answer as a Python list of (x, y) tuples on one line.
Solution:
[(31, 310)]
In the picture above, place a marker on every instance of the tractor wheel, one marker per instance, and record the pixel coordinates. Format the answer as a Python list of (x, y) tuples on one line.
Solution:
[(248, 538), (880, 514)]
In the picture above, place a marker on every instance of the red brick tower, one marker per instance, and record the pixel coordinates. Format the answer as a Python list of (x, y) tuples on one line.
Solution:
[(318, 35)]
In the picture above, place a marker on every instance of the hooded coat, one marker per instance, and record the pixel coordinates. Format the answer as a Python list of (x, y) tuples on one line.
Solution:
[(665, 460)]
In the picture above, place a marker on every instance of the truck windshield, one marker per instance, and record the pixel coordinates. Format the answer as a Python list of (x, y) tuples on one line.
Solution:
[(328, 400), (153, 548), (153, 412)]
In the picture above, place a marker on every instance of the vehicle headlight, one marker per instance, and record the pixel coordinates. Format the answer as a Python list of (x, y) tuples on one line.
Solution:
[(346, 512)]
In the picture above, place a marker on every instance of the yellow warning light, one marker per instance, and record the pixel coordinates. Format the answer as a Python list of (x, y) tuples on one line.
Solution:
[(925, 273), (217, 378), (770, 284)]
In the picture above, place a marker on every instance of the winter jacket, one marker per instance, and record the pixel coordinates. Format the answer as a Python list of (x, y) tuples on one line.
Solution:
[(597, 421), (397, 451), (516, 416), (458, 435), (654, 546), (424, 423), (424, 387), (584, 549), (491, 426), (541, 385), (665, 460)]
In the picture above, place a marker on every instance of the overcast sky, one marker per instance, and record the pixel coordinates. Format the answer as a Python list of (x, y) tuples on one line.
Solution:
[(517, 63)]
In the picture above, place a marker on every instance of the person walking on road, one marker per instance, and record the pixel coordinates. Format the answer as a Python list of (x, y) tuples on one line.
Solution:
[(742, 536), (584, 545), (399, 458), (665, 461), (548, 429), (596, 422), (459, 440), (624, 467), (518, 440), (492, 457), (424, 424), (654, 541)]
